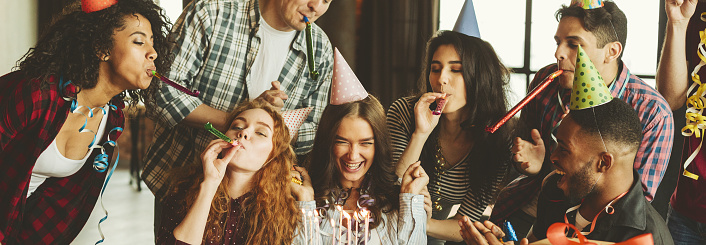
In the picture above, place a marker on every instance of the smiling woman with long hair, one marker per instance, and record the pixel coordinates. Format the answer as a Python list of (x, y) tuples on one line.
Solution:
[(61, 112), (238, 194)]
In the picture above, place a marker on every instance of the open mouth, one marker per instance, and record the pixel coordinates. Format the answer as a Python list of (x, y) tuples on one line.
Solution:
[(354, 166)]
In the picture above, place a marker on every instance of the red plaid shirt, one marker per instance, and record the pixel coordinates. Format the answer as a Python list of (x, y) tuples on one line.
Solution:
[(543, 113), (58, 209)]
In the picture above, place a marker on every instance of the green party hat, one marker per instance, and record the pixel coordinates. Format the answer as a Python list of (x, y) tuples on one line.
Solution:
[(589, 89)]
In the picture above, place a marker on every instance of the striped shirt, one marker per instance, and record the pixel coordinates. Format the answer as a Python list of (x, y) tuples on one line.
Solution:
[(454, 182), (216, 44), (543, 113)]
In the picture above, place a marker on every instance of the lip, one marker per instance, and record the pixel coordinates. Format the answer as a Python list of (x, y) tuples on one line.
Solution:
[(350, 170), (149, 71)]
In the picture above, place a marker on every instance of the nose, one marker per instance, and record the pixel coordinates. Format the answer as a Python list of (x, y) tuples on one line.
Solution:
[(314, 6), (561, 53), (353, 152), (444, 77), (243, 134), (152, 54)]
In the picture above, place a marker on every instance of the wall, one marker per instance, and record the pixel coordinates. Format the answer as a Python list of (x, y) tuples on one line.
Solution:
[(18, 25)]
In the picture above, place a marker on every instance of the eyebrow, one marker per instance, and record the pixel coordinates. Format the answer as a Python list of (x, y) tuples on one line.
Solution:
[(556, 38), (338, 137), (258, 122), (140, 33)]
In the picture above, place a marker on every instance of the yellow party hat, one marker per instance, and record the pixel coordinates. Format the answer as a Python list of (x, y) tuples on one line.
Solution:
[(589, 89)]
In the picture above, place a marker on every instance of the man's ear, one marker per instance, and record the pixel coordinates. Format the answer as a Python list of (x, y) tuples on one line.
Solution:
[(605, 161), (612, 51)]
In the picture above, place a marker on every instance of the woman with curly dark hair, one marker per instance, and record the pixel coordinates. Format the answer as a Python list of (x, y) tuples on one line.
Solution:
[(465, 163), (61, 114), (238, 194)]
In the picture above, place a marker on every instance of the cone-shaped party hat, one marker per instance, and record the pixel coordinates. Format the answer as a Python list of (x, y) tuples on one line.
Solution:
[(96, 5), (587, 4), (294, 119), (589, 89), (345, 86), (467, 22)]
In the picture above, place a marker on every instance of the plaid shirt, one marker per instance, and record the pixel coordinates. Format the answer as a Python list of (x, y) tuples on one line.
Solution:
[(216, 46), (543, 113), (57, 211)]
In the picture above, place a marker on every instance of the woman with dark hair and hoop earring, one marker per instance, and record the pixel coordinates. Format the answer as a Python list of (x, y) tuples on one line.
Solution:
[(461, 91), (62, 114)]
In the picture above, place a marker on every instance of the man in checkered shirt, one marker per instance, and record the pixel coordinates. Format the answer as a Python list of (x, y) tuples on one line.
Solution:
[(232, 51)]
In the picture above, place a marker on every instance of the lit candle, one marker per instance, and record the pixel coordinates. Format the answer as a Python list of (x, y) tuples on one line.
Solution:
[(340, 223), (348, 229), (306, 234), (356, 215), (311, 228)]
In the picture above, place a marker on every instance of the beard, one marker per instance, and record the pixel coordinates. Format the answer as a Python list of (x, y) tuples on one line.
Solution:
[(581, 185)]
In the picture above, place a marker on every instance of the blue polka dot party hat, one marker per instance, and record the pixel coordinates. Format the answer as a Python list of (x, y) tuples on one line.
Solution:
[(589, 89)]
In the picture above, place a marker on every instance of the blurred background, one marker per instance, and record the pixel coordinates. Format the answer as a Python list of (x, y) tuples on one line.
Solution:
[(384, 42)]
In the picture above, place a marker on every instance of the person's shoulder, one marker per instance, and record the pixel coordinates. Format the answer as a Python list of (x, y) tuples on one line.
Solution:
[(404, 104), (656, 225), (646, 100)]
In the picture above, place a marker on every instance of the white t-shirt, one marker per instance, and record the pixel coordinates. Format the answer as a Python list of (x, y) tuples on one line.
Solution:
[(51, 163), (581, 222), (270, 58)]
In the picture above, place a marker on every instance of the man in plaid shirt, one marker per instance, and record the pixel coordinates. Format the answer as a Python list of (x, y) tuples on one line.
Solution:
[(602, 33), (218, 44)]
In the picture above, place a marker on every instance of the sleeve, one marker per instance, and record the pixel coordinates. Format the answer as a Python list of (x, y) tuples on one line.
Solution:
[(399, 122), (654, 151), (319, 99), (303, 234), (412, 224), (191, 31)]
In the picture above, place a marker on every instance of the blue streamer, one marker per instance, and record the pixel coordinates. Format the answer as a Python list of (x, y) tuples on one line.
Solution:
[(100, 164)]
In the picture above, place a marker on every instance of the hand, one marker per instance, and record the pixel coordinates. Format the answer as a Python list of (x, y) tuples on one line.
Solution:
[(424, 119), (427, 203), (680, 11), (214, 166), (274, 96), (303, 192), (530, 155), (414, 179), (487, 233)]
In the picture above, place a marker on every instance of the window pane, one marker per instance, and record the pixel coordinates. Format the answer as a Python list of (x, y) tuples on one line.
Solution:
[(505, 30), (173, 8), (517, 89), (543, 29), (640, 54)]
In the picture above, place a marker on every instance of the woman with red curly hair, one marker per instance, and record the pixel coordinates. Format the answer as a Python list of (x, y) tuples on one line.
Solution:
[(240, 194)]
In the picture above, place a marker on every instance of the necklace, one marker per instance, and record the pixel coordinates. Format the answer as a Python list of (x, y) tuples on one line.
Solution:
[(440, 168)]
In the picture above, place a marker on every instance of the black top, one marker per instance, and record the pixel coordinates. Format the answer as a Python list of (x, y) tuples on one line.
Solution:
[(633, 215)]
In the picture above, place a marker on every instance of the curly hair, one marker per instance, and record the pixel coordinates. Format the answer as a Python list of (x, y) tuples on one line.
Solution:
[(269, 211), (74, 44), (381, 175)]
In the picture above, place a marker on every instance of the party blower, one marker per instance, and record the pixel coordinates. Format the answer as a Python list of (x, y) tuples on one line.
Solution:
[(194, 93), (310, 50), (218, 134), (523, 103)]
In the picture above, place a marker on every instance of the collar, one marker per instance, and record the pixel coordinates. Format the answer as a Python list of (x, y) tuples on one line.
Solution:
[(630, 210), (254, 15), (617, 88)]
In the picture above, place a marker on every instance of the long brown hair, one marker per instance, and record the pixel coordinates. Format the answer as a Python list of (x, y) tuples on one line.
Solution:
[(381, 175), (270, 213)]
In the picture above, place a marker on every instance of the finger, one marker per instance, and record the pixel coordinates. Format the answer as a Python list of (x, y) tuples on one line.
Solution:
[(275, 85), (304, 174), (230, 151), (408, 173), (524, 241), (494, 228), (474, 233), (536, 137)]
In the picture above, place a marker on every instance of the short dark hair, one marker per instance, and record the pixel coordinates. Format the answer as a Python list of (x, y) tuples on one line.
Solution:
[(617, 121), (605, 23)]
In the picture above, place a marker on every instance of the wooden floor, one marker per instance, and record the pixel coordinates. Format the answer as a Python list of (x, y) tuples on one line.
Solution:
[(130, 214)]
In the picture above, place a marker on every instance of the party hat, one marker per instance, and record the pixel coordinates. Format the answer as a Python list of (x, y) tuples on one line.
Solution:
[(467, 22), (345, 86), (96, 5), (294, 119), (589, 89), (587, 4)]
